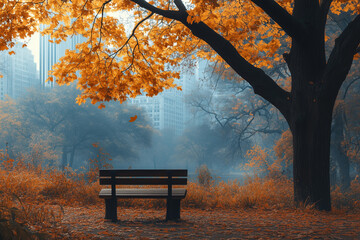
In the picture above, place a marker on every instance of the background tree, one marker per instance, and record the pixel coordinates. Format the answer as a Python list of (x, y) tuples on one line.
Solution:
[(347, 129), (49, 125), (339, 158), (229, 31), (231, 105), (205, 145)]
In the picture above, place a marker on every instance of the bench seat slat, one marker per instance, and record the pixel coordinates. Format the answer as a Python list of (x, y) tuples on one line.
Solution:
[(177, 193), (144, 172), (143, 181)]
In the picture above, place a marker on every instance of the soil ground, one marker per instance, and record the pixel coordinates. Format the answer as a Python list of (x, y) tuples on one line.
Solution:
[(136, 223)]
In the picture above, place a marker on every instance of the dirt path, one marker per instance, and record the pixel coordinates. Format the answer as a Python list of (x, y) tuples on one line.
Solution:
[(88, 223)]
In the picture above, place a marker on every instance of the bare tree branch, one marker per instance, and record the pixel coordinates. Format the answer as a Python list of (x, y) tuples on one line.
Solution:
[(114, 54), (348, 86), (102, 18), (287, 22)]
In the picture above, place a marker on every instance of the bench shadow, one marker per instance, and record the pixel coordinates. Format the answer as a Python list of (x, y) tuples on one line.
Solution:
[(153, 221)]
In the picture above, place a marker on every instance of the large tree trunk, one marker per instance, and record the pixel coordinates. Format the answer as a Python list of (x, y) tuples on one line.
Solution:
[(311, 111), (311, 140)]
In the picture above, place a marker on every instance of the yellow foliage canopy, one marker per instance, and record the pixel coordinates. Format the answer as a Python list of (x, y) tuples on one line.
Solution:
[(116, 63), (18, 21)]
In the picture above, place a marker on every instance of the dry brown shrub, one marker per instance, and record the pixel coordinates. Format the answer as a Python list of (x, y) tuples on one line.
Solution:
[(204, 176), (23, 188), (256, 192), (349, 199)]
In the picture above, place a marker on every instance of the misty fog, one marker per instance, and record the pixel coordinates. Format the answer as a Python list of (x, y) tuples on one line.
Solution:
[(223, 133)]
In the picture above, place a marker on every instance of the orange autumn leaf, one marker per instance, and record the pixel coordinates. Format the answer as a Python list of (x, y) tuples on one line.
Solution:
[(132, 119), (101, 106)]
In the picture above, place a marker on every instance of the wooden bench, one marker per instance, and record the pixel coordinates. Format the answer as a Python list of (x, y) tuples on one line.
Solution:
[(143, 177)]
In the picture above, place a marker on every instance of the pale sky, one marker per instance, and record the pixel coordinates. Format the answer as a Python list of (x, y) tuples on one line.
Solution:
[(33, 45)]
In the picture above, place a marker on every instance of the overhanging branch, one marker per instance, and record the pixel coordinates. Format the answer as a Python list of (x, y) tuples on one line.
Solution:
[(180, 5), (165, 13), (114, 54), (262, 84), (287, 22), (342, 55)]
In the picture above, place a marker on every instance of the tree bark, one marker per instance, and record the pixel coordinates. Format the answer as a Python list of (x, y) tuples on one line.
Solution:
[(311, 112), (311, 140)]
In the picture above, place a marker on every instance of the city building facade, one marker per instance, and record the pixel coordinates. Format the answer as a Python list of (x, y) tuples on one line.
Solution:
[(18, 71), (169, 110), (165, 111), (50, 53)]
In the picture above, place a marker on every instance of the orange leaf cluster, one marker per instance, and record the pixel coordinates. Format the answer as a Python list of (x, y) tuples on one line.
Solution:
[(18, 21), (129, 51)]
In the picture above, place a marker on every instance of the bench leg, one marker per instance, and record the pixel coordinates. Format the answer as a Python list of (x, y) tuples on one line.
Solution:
[(173, 209), (111, 209)]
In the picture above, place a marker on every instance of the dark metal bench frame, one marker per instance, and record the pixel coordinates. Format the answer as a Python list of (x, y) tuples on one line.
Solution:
[(167, 177)]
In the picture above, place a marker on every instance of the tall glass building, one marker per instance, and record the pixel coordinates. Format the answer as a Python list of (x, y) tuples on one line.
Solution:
[(165, 111), (169, 109), (18, 71), (50, 53)]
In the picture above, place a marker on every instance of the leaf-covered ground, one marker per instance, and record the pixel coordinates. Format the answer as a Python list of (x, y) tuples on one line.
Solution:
[(138, 223), (258, 209)]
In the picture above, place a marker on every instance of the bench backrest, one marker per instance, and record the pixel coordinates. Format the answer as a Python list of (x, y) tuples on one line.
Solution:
[(144, 177)]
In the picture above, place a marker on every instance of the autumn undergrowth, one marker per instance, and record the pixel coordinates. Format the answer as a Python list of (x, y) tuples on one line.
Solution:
[(23, 185), (349, 199), (35, 196)]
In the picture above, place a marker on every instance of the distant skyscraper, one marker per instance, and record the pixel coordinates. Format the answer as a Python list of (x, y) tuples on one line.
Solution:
[(168, 110), (50, 53), (191, 82), (19, 72)]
